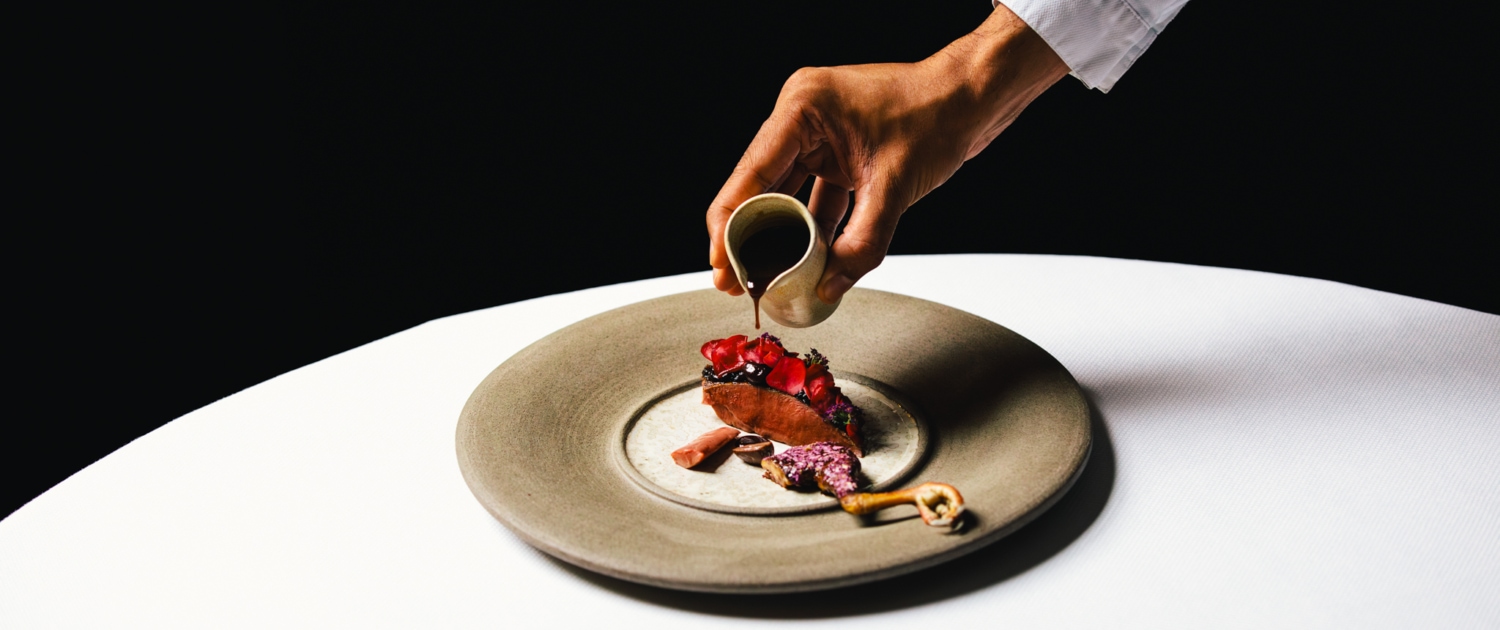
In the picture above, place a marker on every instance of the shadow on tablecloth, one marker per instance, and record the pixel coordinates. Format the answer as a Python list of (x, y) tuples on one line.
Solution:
[(1013, 555)]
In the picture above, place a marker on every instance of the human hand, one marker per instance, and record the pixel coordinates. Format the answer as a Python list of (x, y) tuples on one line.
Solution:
[(888, 133)]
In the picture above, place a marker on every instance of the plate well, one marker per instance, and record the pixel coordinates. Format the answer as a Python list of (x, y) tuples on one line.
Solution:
[(895, 440)]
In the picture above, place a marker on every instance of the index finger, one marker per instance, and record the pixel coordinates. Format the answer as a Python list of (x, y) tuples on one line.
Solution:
[(767, 162)]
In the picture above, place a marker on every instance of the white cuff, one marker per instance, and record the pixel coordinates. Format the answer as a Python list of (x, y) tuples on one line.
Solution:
[(1098, 39)]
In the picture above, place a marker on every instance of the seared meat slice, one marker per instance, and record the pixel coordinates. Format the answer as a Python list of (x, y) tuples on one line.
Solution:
[(773, 414)]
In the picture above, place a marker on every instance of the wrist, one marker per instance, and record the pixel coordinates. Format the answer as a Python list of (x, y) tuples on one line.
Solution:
[(997, 70), (1004, 55)]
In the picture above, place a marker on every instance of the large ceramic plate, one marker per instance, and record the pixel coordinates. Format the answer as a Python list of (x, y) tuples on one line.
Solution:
[(540, 443)]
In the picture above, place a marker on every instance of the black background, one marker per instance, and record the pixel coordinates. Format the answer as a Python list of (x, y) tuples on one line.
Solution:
[(220, 198)]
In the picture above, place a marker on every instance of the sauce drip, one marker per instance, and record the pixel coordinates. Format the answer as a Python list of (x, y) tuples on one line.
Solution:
[(768, 253)]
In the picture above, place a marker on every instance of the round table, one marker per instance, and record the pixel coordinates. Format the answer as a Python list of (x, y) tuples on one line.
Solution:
[(1271, 451)]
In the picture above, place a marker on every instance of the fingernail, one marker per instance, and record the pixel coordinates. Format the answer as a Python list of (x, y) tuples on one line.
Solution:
[(835, 288)]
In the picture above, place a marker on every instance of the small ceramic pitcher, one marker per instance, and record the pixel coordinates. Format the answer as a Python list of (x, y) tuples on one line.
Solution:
[(792, 298)]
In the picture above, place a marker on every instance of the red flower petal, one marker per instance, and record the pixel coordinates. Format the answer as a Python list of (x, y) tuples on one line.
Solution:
[(788, 376), (752, 351), (828, 401), (726, 354), (820, 389), (764, 352)]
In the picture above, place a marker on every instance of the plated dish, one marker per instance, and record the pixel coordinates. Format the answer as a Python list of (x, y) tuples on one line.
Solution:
[(897, 441), (545, 444)]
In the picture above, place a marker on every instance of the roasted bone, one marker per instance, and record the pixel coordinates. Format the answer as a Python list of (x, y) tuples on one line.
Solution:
[(939, 503)]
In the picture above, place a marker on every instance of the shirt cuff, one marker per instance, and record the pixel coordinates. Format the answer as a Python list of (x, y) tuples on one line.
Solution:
[(1098, 39)]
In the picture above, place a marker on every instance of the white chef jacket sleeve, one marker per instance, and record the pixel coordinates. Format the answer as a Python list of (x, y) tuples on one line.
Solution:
[(1098, 39)]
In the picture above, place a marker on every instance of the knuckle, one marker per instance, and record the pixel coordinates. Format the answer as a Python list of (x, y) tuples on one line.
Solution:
[(754, 174), (802, 76), (805, 81), (864, 254)]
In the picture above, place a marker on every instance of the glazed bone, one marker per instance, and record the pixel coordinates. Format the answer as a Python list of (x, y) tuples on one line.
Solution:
[(939, 503)]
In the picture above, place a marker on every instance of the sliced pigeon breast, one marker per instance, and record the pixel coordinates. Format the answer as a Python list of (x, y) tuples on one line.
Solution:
[(773, 414)]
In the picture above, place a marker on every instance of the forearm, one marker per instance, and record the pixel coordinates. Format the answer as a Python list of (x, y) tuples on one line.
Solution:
[(995, 72)]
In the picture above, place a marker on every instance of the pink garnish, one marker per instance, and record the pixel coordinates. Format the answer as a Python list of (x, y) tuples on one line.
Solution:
[(832, 467), (763, 351), (820, 389), (726, 355), (789, 375)]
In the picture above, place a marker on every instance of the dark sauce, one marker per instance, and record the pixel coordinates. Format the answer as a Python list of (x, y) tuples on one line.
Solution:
[(768, 253), (752, 373)]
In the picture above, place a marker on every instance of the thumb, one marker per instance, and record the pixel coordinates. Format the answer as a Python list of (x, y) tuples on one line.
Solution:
[(862, 246)]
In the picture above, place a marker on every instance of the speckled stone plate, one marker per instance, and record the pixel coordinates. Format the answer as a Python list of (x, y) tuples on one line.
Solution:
[(543, 442)]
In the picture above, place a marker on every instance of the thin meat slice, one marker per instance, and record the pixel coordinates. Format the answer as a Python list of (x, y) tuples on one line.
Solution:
[(703, 446), (773, 414)]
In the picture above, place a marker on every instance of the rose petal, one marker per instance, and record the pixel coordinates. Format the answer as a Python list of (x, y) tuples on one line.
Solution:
[(788, 376), (763, 351), (726, 354), (830, 401), (752, 351), (820, 389)]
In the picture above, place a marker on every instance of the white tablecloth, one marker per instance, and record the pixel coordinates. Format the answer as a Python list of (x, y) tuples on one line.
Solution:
[(1280, 452)]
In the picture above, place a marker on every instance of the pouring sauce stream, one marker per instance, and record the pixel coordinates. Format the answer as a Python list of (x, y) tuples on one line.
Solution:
[(769, 252)]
